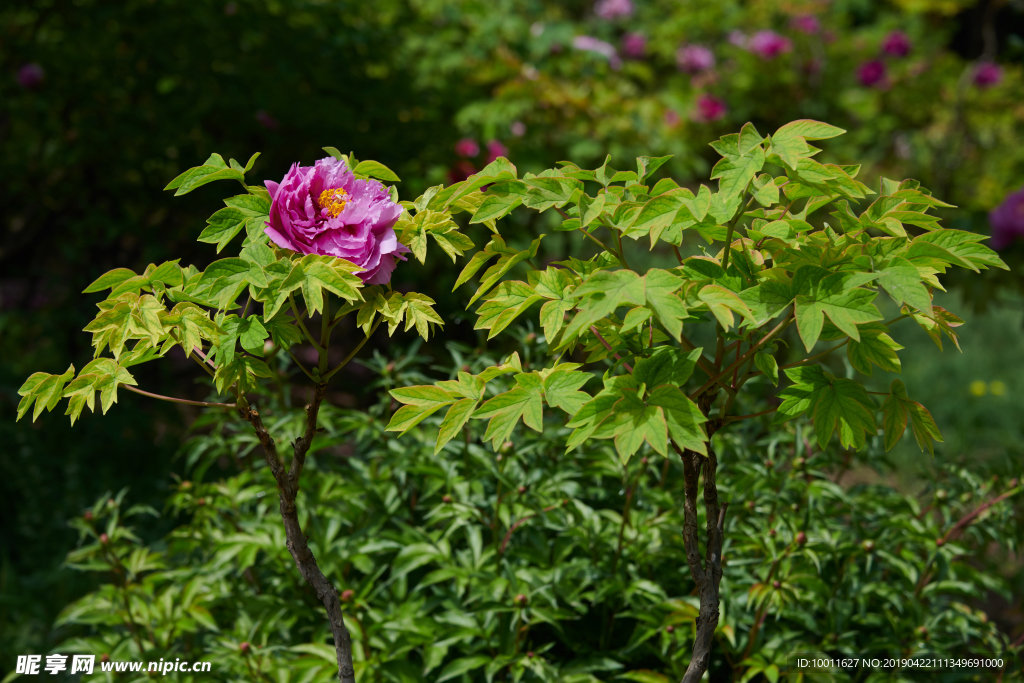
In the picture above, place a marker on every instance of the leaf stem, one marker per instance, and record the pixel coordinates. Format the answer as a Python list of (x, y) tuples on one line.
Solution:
[(737, 418), (179, 400), (302, 325), (302, 367), (753, 349), (354, 351), (609, 347)]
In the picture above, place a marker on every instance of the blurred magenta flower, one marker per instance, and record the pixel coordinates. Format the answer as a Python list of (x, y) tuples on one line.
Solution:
[(612, 9), (324, 209), (987, 75), (709, 108), (634, 45), (30, 76), (806, 23), (266, 120), (871, 73), (737, 38), (518, 128), (467, 147), (1007, 220), (769, 44), (495, 149), (896, 44), (694, 58), (607, 50), (460, 171)]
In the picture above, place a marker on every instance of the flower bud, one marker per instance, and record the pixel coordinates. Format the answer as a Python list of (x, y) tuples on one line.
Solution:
[(88, 516), (520, 600), (390, 367), (465, 368), (244, 647), (769, 463), (530, 654), (506, 448), (750, 505), (104, 539), (185, 485), (670, 628), (644, 460), (776, 584), (771, 533), (941, 495), (799, 463), (1013, 483), (795, 507), (104, 657), (111, 503), (869, 546), (446, 498), (522, 489), (347, 595), (939, 543), (530, 338), (200, 501), (801, 538), (922, 631)]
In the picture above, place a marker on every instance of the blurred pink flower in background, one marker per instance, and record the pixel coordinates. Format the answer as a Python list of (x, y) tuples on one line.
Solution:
[(1007, 220), (769, 44), (467, 147), (709, 108), (495, 149), (737, 38), (672, 118), (460, 171), (30, 76), (607, 50), (612, 9), (266, 120), (634, 45), (806, 23), (896, 44), (694, 58), (518, 128), (987, 75), (871, 73)]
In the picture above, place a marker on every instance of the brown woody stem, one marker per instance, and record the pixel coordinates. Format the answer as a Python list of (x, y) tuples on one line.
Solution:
[(288, 489)]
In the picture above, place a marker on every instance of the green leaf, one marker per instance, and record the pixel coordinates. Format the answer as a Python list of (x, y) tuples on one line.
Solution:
[(836, 295), (561, 390), (767, 364), (44, 390), (646, 166), (902, 280), (505, 410), (110, 279), (460, 666), (734, 173), (456, 418), (375, 169), (875, 346), (644, 675), (683, 417), (668, 365), (223, 226), (507, 259), (895, 410), (808, 383), (845, 404), (808, 129), (504, 305), (722, 303), (660, 296), (202, 175), (748, 140)]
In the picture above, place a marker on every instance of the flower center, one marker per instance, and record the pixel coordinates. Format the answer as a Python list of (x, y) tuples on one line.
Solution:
[(333, 200)]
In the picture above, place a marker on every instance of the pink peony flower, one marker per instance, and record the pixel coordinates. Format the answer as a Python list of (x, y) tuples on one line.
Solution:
[(987, 75), (694, 58), (1007, 220), (896, 44), (806, 23), (612, 9), (495, 149), (606, 50), (324, 209), (871, 73), (30, 76), (467, 147), (634, 45), (518, 128), (769, 44), (709, 108)]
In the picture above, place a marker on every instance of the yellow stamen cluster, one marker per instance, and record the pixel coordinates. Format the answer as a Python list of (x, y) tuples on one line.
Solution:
[(333, 200)]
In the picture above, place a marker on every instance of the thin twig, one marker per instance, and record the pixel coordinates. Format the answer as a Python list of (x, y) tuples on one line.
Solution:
[(179, 400)]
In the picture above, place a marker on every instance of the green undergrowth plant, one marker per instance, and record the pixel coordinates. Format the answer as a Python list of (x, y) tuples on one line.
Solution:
[(777, 269), (531, 565)]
